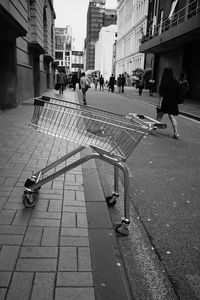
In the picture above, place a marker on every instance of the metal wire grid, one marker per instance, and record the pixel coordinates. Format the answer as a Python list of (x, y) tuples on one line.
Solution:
[(97, 111), (88, 127)]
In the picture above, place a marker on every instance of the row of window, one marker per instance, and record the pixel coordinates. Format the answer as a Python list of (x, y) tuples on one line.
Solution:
[(130, 64)]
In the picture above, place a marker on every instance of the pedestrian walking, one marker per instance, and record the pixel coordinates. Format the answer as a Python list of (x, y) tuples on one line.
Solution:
[(140, 84), (85, 84), (151, 86), (96, 80), (123, 81), (119, 83), (169, 94), (111, 83), (61, 82), (184, 87), (101, 83), (74, 81)]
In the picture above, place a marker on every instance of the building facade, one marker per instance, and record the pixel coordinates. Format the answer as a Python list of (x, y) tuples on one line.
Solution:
[(63, 48), (27, 49), (104, 51), (97, 17), (173, 39), (77, 61), (132, 24), (67, 59)]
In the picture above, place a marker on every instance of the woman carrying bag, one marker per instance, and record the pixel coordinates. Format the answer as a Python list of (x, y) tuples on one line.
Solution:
[(169, 95)]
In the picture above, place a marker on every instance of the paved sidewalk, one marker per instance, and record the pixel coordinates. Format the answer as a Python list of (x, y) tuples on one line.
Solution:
[(46, 251), (64, 247)]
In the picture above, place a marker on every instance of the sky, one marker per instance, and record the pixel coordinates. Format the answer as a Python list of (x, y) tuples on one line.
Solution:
[(74, 13)]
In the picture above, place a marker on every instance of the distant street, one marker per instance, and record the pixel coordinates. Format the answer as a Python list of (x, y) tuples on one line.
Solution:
[(165, 197)]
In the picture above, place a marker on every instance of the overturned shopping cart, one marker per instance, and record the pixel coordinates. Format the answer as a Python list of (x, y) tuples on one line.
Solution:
[(112, 137)]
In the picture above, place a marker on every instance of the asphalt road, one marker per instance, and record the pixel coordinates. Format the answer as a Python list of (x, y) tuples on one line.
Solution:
[(164, 239)]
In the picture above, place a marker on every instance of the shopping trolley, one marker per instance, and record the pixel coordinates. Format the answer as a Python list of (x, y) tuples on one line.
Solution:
[(112, 137)]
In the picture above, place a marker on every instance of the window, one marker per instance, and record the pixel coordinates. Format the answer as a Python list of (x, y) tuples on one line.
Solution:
[(173, 6), (59, 55), (45, 29)]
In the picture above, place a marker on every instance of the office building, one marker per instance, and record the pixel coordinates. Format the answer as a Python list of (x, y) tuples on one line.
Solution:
[(97, 17), (63, 48), (173, 39), (27, 50), (132, 24)]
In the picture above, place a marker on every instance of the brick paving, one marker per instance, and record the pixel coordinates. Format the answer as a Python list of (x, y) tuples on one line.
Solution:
[(44, 251)]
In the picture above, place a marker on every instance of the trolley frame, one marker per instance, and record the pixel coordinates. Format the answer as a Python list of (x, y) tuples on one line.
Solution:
[(144, 125)]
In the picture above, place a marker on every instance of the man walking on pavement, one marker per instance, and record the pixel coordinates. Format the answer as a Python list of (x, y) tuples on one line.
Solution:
[(123, 81), (85, 84), (61, 82), (74, 81), (119, 83), (101, 82), (112, 83)]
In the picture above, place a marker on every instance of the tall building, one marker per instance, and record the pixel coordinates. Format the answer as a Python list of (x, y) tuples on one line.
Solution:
[(132, 23), (63, 47), (27, 49), (173, 39), (97, 17)]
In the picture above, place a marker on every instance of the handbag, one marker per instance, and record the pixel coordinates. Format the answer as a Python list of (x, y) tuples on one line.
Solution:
[(57, 86), (87, 86), (158, 107)]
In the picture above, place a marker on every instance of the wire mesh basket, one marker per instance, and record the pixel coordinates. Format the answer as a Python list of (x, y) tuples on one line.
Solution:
[(88, 126)]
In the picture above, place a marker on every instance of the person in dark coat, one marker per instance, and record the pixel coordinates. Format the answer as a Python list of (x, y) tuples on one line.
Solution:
[(123, 81), (184, 86), (169, 93), (74, 81), (112, 83), (151, 86), (101, 83), (140, 84), (61, 82), (119, 83)]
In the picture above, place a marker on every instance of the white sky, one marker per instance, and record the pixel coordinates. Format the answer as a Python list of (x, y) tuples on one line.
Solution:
[(74, 13)]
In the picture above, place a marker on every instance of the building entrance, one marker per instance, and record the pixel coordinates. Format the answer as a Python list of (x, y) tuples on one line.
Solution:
[(8, 75)]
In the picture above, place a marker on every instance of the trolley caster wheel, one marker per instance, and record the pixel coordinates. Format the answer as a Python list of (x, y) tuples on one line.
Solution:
[(30, 199), (111, 200), (122, 227), (29, 182)]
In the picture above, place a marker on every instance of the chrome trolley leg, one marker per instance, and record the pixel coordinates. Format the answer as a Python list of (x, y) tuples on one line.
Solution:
[(111, 200), (122, 227), (31, 192)]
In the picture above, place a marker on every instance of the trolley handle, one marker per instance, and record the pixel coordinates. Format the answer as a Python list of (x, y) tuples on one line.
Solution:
[(150, 122)]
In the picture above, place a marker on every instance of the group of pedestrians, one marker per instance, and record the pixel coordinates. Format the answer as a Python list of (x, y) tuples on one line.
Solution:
[(121, 83), (64, 81), (171, 92), (111, 83), (99, 81)]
